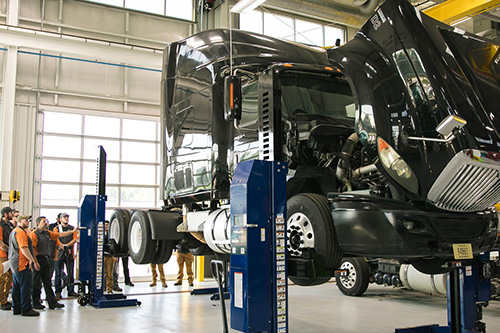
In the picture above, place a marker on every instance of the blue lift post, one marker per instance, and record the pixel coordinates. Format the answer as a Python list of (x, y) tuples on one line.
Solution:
[(258, 281), (91, 212), (469, 290)]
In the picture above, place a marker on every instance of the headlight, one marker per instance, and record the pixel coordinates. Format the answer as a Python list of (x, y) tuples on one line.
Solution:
[(396, 166)]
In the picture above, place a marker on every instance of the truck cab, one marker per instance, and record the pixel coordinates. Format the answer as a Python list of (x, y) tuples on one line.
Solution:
[(392, 142)]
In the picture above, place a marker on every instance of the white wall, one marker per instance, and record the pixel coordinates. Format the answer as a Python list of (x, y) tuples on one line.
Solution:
[(89, 77)]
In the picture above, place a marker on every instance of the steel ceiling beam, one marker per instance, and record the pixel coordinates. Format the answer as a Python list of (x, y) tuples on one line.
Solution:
[(454, 11)]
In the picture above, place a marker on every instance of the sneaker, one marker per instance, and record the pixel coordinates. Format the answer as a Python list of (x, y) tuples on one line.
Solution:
[(6, 306), (177, 283), (72, 294), (164, 284), (38, 306), (117, 289), (56, 306), (31, 313), (153, 284), (129, 283), (58, 296)]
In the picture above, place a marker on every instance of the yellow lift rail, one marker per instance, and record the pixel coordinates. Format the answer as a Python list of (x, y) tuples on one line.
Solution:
[(454, 11)]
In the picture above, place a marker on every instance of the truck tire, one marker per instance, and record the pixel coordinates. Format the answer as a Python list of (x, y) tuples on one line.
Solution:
[(142, 247), (310, 226), (358, 278), (163, 252), (118, 228)]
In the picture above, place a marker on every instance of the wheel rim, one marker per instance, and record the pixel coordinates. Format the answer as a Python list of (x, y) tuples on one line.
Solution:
[(350, 280), (136, 237), (114, 230), (300, 234)]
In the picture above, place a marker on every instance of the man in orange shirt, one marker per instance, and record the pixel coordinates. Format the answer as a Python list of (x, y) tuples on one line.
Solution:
[(21, 257), (6, 228), (41, 238)]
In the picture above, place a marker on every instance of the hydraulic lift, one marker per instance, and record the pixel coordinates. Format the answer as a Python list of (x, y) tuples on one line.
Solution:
[(258, 275), (469, 291), (91, 259)]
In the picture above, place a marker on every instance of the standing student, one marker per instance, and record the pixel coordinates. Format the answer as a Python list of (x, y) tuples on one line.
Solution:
[(66, 257), (22, 259), (41, 238), (5, 278)]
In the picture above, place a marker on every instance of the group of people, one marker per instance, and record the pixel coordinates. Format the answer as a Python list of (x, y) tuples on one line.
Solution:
[(29, 258)]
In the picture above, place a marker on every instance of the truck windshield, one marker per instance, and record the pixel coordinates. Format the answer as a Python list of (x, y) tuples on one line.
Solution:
[(316, 95)]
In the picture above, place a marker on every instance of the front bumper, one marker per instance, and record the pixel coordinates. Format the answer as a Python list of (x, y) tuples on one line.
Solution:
[(376, 227)]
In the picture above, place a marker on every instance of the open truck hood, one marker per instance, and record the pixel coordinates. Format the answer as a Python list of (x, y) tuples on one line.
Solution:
[(408, 73)]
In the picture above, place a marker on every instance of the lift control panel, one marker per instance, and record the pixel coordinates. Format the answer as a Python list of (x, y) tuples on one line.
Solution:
[(258, 242)]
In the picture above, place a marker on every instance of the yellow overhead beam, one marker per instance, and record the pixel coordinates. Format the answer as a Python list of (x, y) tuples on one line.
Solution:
[(454, 11)]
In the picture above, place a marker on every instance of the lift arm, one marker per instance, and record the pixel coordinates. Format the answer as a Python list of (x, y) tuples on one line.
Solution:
[(454, 11)]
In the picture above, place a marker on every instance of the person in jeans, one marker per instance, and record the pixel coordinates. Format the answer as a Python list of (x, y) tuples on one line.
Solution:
[(66, 257), (6, 228), (22, 259), (41, 238)]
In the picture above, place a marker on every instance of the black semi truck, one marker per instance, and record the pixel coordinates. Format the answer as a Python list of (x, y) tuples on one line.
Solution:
[(392, 142)]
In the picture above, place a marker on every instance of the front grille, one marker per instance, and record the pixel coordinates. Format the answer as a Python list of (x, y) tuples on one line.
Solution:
[(469, 183), (450, 230)]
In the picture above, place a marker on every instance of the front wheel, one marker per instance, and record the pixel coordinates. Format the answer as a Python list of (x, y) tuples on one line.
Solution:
[(311, 240), (357, 279)]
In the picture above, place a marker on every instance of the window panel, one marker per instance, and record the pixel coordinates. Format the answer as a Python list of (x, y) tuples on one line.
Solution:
[(118, 3), (57, 146), (278, 26), (63, 171), (102, 126), (332, 34), (180, 9), (308, 33), (111, 192), (137, 197), (64, 123), (139, 152), (112, 148), (138, 174), (60, 195), (139, 129), (251, 21), (90, 173), (150, 6)]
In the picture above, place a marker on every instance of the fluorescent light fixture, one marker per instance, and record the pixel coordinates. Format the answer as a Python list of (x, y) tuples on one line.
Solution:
[(246, 5)]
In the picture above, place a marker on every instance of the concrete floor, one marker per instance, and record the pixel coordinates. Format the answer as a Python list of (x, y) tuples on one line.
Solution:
[(312, 309)]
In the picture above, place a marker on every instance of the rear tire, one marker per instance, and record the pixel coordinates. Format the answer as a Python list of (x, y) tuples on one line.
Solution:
[(118, 228), (163, 252), (142, 247), (310, 228), (358, 279)]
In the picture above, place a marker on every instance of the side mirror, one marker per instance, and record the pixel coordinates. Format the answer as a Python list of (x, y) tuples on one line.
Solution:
[(232, 98), (448, 125)]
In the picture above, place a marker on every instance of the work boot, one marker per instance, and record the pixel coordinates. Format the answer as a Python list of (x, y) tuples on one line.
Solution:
[(58, 296), (31, 313), (72, 294), (56, 306), (117, 289), (153, 284), (178, 283), (164, 284), (129, 283), (191, 284), (38, 306), (6, 306)]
